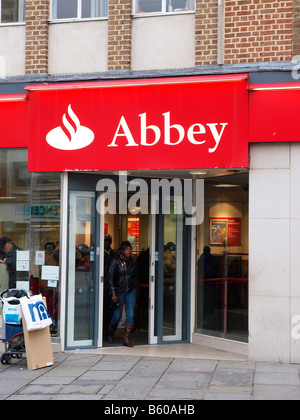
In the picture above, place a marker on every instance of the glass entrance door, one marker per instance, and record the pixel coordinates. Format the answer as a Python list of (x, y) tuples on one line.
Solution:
[(81, 284), (169, 264)]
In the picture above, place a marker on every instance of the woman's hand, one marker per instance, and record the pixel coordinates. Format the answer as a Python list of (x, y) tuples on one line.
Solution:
[(3, 261), (115, 299)]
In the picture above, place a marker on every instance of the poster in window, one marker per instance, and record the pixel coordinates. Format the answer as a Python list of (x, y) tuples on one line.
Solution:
[(218, 231), (225, 230)]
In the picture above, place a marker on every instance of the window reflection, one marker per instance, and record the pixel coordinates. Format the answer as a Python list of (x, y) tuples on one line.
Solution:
[(155, 6), (30, 218), (12, 11), (79, 9), (222, 260)]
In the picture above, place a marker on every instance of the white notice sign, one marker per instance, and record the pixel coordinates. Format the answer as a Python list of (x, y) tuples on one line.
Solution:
[(22, 266), (50, 272), (39, 257)]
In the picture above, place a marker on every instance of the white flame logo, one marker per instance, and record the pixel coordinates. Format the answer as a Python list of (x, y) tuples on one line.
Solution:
[(71, 136)]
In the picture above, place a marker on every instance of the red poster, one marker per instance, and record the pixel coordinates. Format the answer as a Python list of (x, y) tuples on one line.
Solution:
[(234, 231)]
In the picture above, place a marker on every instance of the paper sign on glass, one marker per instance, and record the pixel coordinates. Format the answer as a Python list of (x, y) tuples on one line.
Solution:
[(50, 272)]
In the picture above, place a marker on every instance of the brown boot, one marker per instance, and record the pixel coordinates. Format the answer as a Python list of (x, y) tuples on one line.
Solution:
[(128, 329), (112, 332)]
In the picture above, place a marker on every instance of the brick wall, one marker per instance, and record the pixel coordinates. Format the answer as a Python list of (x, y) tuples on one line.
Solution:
[(296, 28), (119, 34), (206, 32), (36, 44), (258, 30)]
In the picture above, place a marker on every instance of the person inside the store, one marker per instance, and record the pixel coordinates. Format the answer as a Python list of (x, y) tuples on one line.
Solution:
[(109, 255), (123, 283), (169, 260), (8, 256)]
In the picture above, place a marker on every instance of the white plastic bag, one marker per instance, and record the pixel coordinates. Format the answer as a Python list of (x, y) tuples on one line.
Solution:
[(35, 313), (12, 312)]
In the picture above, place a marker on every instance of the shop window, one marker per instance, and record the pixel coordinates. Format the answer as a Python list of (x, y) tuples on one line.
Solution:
[(222, 259), (163, 6), (79, 9), (12, 11), (29, 229)]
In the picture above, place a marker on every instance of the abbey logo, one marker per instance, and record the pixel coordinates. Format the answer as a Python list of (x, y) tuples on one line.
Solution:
[(71, 135)]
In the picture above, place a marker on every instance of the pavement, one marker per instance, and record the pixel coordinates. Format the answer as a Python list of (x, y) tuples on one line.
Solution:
[(115, 375)]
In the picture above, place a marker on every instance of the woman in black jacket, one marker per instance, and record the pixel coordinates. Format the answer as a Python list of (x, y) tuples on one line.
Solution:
[(123, 282)]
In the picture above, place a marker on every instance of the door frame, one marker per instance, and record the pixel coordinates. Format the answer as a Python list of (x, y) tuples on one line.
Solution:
[(88, 182), (183, 293)]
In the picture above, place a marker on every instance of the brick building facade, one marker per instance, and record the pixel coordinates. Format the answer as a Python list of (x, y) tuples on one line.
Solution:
[(234, 32), (57, 62)]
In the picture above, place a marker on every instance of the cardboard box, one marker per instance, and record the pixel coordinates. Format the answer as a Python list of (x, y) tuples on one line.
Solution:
[(38, 346)]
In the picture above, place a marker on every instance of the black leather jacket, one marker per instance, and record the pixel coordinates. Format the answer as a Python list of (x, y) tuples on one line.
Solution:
[(122, 276)]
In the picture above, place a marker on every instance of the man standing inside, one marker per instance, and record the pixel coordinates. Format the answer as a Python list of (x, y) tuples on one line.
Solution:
[(8, 256)]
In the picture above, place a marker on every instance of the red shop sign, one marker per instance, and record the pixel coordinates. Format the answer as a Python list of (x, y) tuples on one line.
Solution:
[(274, 112), (13, 120), (175, 123)]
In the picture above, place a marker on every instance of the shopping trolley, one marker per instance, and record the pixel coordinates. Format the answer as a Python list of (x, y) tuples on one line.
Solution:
[(12, 330)]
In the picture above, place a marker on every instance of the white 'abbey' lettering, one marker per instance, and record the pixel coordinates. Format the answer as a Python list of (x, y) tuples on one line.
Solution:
[(173, 134)]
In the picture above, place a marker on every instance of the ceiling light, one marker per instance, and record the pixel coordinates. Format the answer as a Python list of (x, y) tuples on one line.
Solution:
[(198, 173), (226, 186)]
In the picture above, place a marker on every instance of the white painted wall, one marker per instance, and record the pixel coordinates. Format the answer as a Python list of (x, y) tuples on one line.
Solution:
[(274, 251), (12, 51), (78, 47), (164, 42)]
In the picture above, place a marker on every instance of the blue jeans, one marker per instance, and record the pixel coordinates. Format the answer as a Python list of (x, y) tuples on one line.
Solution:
[(129, 298)]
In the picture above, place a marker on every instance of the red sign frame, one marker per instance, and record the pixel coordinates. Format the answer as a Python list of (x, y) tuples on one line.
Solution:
[(173, 123)]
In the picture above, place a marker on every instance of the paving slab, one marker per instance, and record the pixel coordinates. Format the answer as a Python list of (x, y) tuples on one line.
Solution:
[(114, 365), (52, 380), (76, 397), (232, 377), (176, 394), (103, 375), (229, 393), (10, 386), (67, 371), (131, 389), (80, 389), (184, 380), (193, 365), (34, 397), (41, 389), (277, 378), (276, 392), (82, 361)]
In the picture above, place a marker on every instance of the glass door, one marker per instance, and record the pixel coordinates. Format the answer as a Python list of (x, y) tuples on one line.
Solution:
[(81, 284), (169, 268)]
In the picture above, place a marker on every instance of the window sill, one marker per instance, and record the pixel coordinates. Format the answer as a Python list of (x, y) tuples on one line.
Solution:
[(156, 14), (12, 24), (75, 20)]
